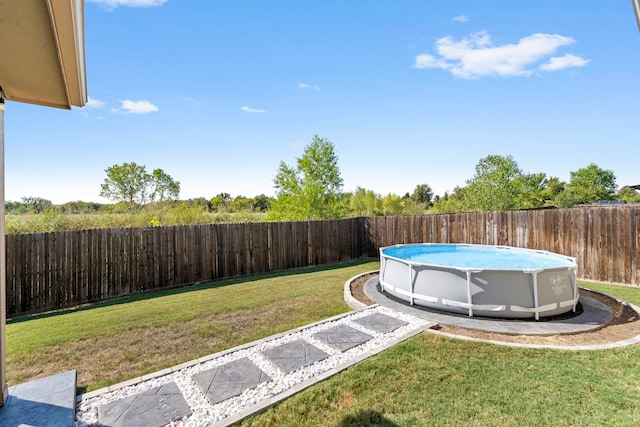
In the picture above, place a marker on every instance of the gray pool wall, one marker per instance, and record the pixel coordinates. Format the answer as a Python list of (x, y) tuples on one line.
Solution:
[(502, 293)]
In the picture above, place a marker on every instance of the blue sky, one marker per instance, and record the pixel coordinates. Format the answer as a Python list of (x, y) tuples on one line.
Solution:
[(218, 93)]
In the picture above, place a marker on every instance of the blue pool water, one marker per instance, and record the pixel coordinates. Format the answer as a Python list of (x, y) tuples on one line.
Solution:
[(481, 257)]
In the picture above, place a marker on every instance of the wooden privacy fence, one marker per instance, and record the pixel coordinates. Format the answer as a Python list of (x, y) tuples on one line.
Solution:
[(603, 239), (47, 271)]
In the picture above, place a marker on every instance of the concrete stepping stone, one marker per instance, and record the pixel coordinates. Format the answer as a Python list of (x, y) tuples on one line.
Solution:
[(156, 407), (342, 337), (229, 380), (49, 401), (380, 322), (294, 355)]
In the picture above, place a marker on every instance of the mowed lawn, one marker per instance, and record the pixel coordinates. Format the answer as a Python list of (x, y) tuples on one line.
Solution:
[(427, 380), (431, 380), (111, 342)]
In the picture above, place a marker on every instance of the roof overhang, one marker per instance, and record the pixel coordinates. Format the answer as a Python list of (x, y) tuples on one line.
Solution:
[(42, 52), (636, 10)]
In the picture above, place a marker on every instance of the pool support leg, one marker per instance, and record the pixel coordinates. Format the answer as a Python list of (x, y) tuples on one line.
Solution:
[(469, 293)]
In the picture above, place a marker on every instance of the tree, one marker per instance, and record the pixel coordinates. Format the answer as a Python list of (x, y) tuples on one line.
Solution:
[(392, 204), (162, 187), (37, 204), (261, 203), (79, 207), (530, 191), (588, 185), (422, 194), (552, 187), (494, 186), (220, 203), (130, 183), (628, 194), (450, 202), (365, 203), (241, 204), (17, 208), (311, 190)]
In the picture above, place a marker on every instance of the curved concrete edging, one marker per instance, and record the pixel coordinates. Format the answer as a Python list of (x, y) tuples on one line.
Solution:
[(357, 305), (617, 344), (348, 298)]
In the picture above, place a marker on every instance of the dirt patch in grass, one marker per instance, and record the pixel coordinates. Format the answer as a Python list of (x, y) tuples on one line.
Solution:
[(624, 325), (357, 288)]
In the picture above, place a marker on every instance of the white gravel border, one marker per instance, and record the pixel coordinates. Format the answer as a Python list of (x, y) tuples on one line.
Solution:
[(265, 394)]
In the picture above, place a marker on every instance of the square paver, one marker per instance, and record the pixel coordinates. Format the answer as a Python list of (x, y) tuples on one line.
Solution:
[(342, 337), (49, 401), (380, 322), (294, 355), (156, 407), (229, 380)]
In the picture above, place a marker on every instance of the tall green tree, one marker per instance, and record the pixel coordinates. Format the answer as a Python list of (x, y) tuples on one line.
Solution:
[(130, 183), (365, 202), (587, 185), (530, 191), (125, 183), (422, 194), (495, 186), (162, 187), (552, 187), (311, 189), (392, 204)]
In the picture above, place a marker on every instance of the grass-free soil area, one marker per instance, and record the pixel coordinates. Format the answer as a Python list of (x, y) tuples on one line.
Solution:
[(625, 323)]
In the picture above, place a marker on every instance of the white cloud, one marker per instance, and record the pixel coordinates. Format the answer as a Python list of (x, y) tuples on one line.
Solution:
[(461, 18), (561, 62), (137, 107), (304, 86), (477, 56), (94, 103), (251, 110), (112, 4)]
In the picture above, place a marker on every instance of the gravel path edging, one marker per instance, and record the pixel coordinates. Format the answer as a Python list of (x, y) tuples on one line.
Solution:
[(201, 360), (268, 403), (266, 394)]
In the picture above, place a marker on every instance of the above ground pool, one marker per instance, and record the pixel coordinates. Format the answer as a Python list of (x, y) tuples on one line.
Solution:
[(480, 280)]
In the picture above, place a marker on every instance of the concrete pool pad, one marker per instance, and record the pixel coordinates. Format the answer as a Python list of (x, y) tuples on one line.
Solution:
[(594, 315)]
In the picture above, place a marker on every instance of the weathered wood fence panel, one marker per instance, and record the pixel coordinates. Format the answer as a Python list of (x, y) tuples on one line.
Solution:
[(605, 240), (47, 271)]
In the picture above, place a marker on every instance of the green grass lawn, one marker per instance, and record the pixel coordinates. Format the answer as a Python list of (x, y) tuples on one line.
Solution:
[(123, 339), (426, 380), (430, 380)]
